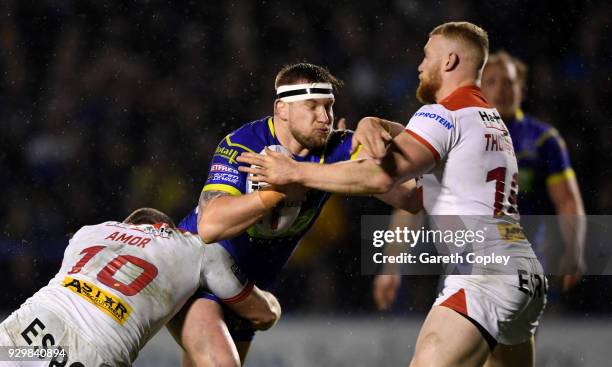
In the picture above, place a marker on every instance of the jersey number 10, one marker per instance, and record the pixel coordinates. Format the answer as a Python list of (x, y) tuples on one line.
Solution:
[(106, 275)]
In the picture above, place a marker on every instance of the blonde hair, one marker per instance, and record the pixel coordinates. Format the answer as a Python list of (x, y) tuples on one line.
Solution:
[(468, 33), (504, 58)]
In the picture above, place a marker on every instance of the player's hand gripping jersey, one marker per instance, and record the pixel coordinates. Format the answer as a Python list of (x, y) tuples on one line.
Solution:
[(118, 285), (260, 256), (476, 175)]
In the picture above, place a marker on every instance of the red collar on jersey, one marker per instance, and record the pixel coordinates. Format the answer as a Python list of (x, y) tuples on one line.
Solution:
[(464, 97)]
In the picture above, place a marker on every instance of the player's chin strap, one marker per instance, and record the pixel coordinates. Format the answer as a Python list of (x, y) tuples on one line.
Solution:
[(300, 92)]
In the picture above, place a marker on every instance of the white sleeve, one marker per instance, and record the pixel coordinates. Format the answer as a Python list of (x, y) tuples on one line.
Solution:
[(222, 276), (433, 126)]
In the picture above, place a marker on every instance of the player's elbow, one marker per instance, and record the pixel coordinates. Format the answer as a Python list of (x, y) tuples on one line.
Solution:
[(265, 322), (209, 231), (268, 318)]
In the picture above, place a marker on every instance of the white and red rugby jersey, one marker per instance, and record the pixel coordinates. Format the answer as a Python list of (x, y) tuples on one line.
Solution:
[(474, 155), (120, 283), (476, 172)]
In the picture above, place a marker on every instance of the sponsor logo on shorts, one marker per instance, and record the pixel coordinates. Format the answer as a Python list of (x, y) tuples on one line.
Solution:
[(441, 120), (224, 177), (223, 168), (110, 304)]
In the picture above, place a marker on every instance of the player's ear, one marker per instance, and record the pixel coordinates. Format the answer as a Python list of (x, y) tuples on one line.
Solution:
[(452, 61), (280, 109)]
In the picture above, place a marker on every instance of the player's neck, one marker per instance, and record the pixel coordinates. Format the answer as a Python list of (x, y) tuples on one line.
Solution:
[(286, 139), (447, 88)]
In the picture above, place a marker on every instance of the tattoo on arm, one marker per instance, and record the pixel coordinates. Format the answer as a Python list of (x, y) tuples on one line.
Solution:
[(206, 197)]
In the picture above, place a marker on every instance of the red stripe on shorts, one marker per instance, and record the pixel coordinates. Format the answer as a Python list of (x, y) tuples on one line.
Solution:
[(457, 302)]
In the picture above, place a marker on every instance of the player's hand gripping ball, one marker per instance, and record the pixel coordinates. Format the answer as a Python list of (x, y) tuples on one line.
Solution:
[(280, 218)]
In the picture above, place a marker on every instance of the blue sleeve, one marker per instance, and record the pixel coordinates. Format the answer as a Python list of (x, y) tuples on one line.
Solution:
[(190, 222), (223, 174), (341, 142), (555, 156)]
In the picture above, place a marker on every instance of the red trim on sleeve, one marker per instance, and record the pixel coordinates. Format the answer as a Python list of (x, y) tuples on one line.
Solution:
[(240, 296), (422, 140), (464, 97), (457, 302)]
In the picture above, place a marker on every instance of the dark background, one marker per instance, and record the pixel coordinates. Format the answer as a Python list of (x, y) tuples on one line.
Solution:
[(107, 106)]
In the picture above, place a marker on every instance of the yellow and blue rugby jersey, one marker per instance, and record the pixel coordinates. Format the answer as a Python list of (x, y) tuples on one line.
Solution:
[(260, 257), (542, 159)]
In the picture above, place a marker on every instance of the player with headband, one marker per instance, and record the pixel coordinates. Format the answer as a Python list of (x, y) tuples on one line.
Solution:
[(459, 151), (227, 213)]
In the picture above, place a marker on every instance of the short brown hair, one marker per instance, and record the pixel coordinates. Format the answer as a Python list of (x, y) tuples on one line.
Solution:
[(504, 58), (149, 216), (294, 73), (469, 33)]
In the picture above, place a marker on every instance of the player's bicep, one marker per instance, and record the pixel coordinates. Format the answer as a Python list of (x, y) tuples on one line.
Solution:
[(224, 278), (434, 127), (222, 275), (206, 197), (553, 150)]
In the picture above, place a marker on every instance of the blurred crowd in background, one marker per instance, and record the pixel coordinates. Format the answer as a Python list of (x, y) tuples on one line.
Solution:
[(107, 106)]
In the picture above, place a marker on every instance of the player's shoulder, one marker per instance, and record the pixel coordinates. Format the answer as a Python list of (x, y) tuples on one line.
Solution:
[(540, 130), (252, 136), (89, 230), (339, 136), (533, 122), (434, 113), (339, 146)]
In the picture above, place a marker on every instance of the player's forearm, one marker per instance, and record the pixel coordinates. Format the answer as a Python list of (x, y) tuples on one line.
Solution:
[(364, 177), (228, 216), (403, 196), (273, 314), (394, 128), (260, 307), (572, 222)]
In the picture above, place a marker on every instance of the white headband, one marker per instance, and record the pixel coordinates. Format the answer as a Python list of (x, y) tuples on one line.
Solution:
[(300, 92)]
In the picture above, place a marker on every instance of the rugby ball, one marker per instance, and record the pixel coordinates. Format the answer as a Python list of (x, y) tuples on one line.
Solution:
[(280, 218)]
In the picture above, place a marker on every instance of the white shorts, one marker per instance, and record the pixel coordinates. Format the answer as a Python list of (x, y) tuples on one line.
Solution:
[(33, 325), (508, 307)]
